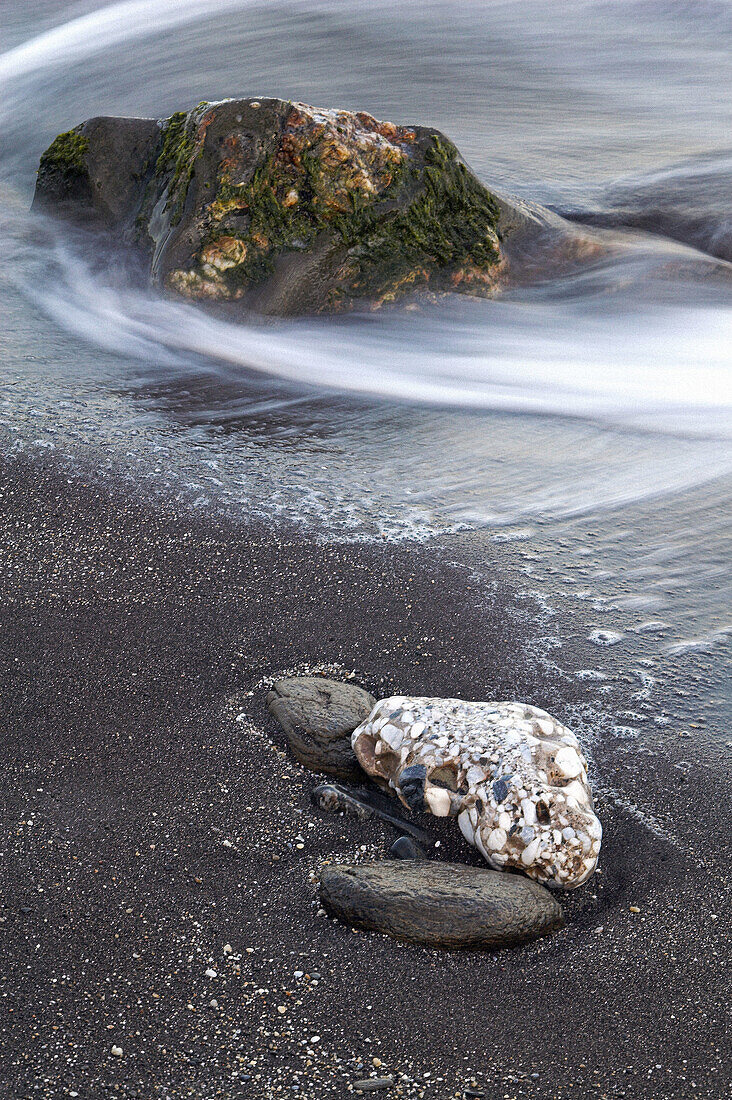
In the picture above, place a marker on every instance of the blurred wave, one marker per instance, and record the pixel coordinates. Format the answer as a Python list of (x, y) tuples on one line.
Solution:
[(577, 348)]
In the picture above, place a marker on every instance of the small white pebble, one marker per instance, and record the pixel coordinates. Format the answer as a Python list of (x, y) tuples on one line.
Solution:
[(228, 949), (117, 1051), (211, 973)]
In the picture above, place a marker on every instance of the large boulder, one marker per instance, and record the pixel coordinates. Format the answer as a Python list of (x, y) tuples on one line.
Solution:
[(439, 904), (278, 207), (512, 775)]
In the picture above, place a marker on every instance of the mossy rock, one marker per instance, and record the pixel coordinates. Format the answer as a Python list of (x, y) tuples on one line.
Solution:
[(278, 207), (93, 173)]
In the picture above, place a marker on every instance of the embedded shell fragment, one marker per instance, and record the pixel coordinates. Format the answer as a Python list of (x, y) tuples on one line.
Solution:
[(514, 777)]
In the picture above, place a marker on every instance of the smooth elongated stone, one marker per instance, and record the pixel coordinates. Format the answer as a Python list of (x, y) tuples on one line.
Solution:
[(513, 776), (445, 905)]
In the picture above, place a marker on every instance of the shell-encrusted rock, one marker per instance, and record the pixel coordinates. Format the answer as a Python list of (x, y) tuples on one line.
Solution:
[(514, 777)]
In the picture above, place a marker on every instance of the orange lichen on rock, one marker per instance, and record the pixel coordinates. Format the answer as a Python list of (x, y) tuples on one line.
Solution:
[(400, 213)]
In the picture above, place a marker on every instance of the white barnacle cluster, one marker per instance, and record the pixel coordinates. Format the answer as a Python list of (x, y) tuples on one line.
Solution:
[(514, 777)]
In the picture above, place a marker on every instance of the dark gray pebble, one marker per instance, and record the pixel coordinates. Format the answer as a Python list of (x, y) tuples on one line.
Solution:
[(373, 1084), (500, 790), (411, 783), (406, 848)]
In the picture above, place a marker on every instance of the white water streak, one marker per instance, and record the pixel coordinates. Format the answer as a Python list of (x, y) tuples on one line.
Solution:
[(101, 29), (556, 361)]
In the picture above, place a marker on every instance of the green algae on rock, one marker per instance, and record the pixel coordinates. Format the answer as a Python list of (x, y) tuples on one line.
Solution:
[(62, 165), (177, 157), (66, 152)]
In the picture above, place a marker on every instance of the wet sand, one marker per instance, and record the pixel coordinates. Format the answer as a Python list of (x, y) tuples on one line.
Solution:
[(152, 816)]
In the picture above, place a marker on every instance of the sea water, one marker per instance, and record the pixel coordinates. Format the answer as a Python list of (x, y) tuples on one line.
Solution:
[(580, 429)]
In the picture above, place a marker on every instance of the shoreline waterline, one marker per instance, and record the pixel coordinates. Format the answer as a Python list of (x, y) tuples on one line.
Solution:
[(159, 629)]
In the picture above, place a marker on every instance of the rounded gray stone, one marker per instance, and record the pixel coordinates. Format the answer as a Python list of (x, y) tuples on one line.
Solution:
[(318, 717), (447, 905)]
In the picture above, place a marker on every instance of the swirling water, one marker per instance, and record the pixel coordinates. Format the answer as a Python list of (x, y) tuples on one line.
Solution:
[(587, 420)]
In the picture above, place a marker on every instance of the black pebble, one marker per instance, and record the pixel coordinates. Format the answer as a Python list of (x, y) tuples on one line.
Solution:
[(500, 790), (406, 848), (411, 784)]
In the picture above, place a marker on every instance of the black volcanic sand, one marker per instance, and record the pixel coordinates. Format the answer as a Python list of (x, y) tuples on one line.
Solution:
[(152, 817)]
